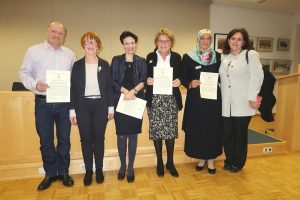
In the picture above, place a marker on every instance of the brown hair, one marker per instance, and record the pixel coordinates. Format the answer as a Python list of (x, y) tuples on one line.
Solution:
[(91, 36), (166, 32), (245, 35)]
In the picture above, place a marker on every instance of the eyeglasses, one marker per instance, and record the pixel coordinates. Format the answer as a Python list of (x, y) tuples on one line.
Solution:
[(93, 42), (164, 41)]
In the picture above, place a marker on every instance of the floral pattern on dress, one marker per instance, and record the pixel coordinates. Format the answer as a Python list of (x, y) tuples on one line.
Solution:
[(163, 117)]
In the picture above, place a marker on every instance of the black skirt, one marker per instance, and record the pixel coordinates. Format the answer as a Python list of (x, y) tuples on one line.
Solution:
[(127, 125)]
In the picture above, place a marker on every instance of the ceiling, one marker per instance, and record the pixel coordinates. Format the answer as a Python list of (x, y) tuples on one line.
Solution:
[(285, 6)]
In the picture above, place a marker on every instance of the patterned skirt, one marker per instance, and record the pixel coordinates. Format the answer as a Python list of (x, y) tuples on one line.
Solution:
[(163, 118)]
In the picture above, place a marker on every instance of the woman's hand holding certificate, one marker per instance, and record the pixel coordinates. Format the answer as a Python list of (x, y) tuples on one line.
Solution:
[(209, 85), (163, 80)]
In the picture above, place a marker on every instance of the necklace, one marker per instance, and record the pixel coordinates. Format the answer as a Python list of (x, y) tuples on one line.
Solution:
[(128, 64)]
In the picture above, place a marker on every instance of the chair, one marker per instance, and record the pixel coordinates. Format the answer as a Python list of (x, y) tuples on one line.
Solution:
[(18, 86)]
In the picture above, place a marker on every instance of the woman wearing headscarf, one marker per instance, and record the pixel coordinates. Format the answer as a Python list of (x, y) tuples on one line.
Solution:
[(202, 121)]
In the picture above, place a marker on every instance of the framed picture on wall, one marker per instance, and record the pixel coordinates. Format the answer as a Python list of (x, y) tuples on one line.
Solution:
[(283, 44), (266, 63), (264, 44), (219, 41), (281, 67), (252, 42)]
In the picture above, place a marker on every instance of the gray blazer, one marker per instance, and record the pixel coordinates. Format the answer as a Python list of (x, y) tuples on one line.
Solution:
[(240, 82)]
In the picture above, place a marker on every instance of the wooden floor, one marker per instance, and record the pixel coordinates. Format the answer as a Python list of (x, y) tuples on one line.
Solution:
[(272, 177)]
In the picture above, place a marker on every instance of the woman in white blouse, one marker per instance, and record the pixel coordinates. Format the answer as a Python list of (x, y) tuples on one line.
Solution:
[(162, 108), (241, 79)]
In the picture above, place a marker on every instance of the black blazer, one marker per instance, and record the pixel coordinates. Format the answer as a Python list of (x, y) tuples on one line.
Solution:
[(175, 62), (118, 65), (268, 99), (78, 83)]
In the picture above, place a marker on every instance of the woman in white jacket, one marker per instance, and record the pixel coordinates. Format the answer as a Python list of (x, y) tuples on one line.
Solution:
[(241, 79)]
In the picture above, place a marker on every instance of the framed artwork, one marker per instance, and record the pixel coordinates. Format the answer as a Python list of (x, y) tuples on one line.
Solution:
[(281, 67), (283, 44), (219, 41), (252, 42), (266, 63), (264, 44)]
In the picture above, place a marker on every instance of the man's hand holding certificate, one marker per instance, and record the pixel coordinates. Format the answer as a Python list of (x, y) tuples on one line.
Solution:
[(208, 85), (163, 79), (58, 86)]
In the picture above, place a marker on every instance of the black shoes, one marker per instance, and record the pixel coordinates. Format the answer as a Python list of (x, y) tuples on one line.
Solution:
[(210, 163), (211, 171), (66, 179), (160, 170), (46, 182), (200, 168), (121, 175), (227, 167), (234, 169), (172, 170), (99, 176), (88, 177), (130, 179)]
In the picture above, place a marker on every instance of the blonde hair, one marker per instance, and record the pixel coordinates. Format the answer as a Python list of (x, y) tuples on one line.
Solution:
[(165, 32)]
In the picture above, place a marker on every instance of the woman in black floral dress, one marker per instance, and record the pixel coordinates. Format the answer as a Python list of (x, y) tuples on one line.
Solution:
[(163, 109)]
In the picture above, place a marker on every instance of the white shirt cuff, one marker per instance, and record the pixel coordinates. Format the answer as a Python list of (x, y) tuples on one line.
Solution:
[(111, 109), (72, 113)]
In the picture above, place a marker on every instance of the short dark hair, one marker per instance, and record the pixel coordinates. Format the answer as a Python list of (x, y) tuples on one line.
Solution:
[(245, 35), (126, 34)]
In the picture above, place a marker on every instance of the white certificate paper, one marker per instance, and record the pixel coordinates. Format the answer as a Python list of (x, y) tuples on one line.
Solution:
[(208, 85), (163, 78), (59, 86), (134, 108)]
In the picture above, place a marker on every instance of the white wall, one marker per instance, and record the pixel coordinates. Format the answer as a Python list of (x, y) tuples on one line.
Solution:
[(296, 35), (258, 24), (23, 23), (296, 19)]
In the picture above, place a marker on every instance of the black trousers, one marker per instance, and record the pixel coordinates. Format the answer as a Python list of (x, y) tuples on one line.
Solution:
[(92, 120), (235, 140)]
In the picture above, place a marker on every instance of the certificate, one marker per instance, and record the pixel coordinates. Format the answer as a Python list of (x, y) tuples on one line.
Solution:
[(163, 79), (134, 108), (208, 85), (59, 86)]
